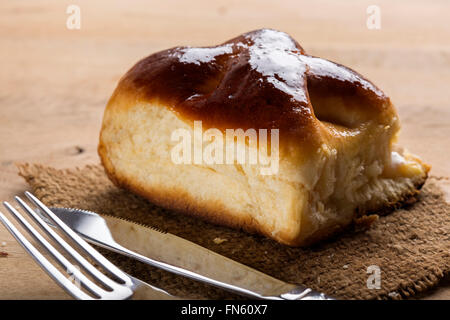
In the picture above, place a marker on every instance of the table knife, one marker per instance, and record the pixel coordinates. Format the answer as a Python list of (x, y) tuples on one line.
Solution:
[(180, 256)]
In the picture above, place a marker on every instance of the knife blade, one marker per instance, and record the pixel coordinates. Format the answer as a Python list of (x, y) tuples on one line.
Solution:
[(180, 256)]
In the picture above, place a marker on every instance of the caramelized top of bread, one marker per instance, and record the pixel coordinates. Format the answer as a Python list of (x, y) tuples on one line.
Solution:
[(261, 79)]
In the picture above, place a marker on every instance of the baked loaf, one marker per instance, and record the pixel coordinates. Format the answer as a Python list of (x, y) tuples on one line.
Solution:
[(330, 157)]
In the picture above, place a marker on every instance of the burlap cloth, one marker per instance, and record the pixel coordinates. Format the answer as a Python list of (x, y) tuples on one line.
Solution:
[(411, 246)]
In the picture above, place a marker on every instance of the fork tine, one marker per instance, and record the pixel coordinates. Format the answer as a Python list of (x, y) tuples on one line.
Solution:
[(87, 248), (87, 283), (51, 270), (79, 258)]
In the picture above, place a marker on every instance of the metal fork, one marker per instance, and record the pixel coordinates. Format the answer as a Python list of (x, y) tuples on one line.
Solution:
[(122, 287)]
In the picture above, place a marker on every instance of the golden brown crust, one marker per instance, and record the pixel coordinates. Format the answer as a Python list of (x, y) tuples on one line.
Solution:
[(324, 112)]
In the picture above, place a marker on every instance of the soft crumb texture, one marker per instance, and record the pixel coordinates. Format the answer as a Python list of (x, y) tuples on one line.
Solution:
[(317, 191), (421, 230)]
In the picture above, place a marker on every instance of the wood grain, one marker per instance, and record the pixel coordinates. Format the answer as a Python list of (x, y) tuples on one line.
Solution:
[(55, 82)]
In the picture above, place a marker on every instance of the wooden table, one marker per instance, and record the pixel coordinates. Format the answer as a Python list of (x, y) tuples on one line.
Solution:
[(54, 82)]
